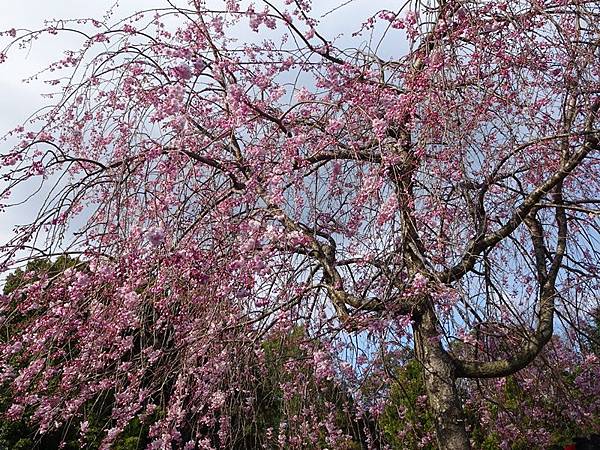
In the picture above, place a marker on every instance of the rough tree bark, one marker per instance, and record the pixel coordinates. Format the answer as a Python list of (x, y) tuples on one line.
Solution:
[(439, 374)]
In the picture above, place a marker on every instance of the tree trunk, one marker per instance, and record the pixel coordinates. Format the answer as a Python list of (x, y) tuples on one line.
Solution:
[(440, 381)]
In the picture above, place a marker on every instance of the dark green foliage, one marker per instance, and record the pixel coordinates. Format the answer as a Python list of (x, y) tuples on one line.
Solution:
[(406, 421), (35, 268), (272, 405), (592, 333)]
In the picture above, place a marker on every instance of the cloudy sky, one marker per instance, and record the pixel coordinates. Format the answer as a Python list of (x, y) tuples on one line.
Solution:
[(19, 100)]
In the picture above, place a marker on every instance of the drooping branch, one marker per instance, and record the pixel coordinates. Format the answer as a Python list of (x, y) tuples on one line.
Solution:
[(488, 241), (546, 277)]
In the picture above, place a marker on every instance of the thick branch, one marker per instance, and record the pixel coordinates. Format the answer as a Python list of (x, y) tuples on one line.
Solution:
[(531, 201)]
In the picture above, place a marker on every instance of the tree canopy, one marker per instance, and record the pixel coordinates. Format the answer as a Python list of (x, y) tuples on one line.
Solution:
[(423, 187)]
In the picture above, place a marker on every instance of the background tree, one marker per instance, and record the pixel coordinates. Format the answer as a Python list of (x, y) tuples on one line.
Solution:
[(271, 407), (591, 333), (552, 401), (223, 192), (22, 434)]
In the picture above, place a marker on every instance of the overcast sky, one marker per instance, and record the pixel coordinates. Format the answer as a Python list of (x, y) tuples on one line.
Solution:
[(19, 100)]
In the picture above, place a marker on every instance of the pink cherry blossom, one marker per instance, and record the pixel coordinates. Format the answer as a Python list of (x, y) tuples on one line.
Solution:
[(274, 226)]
